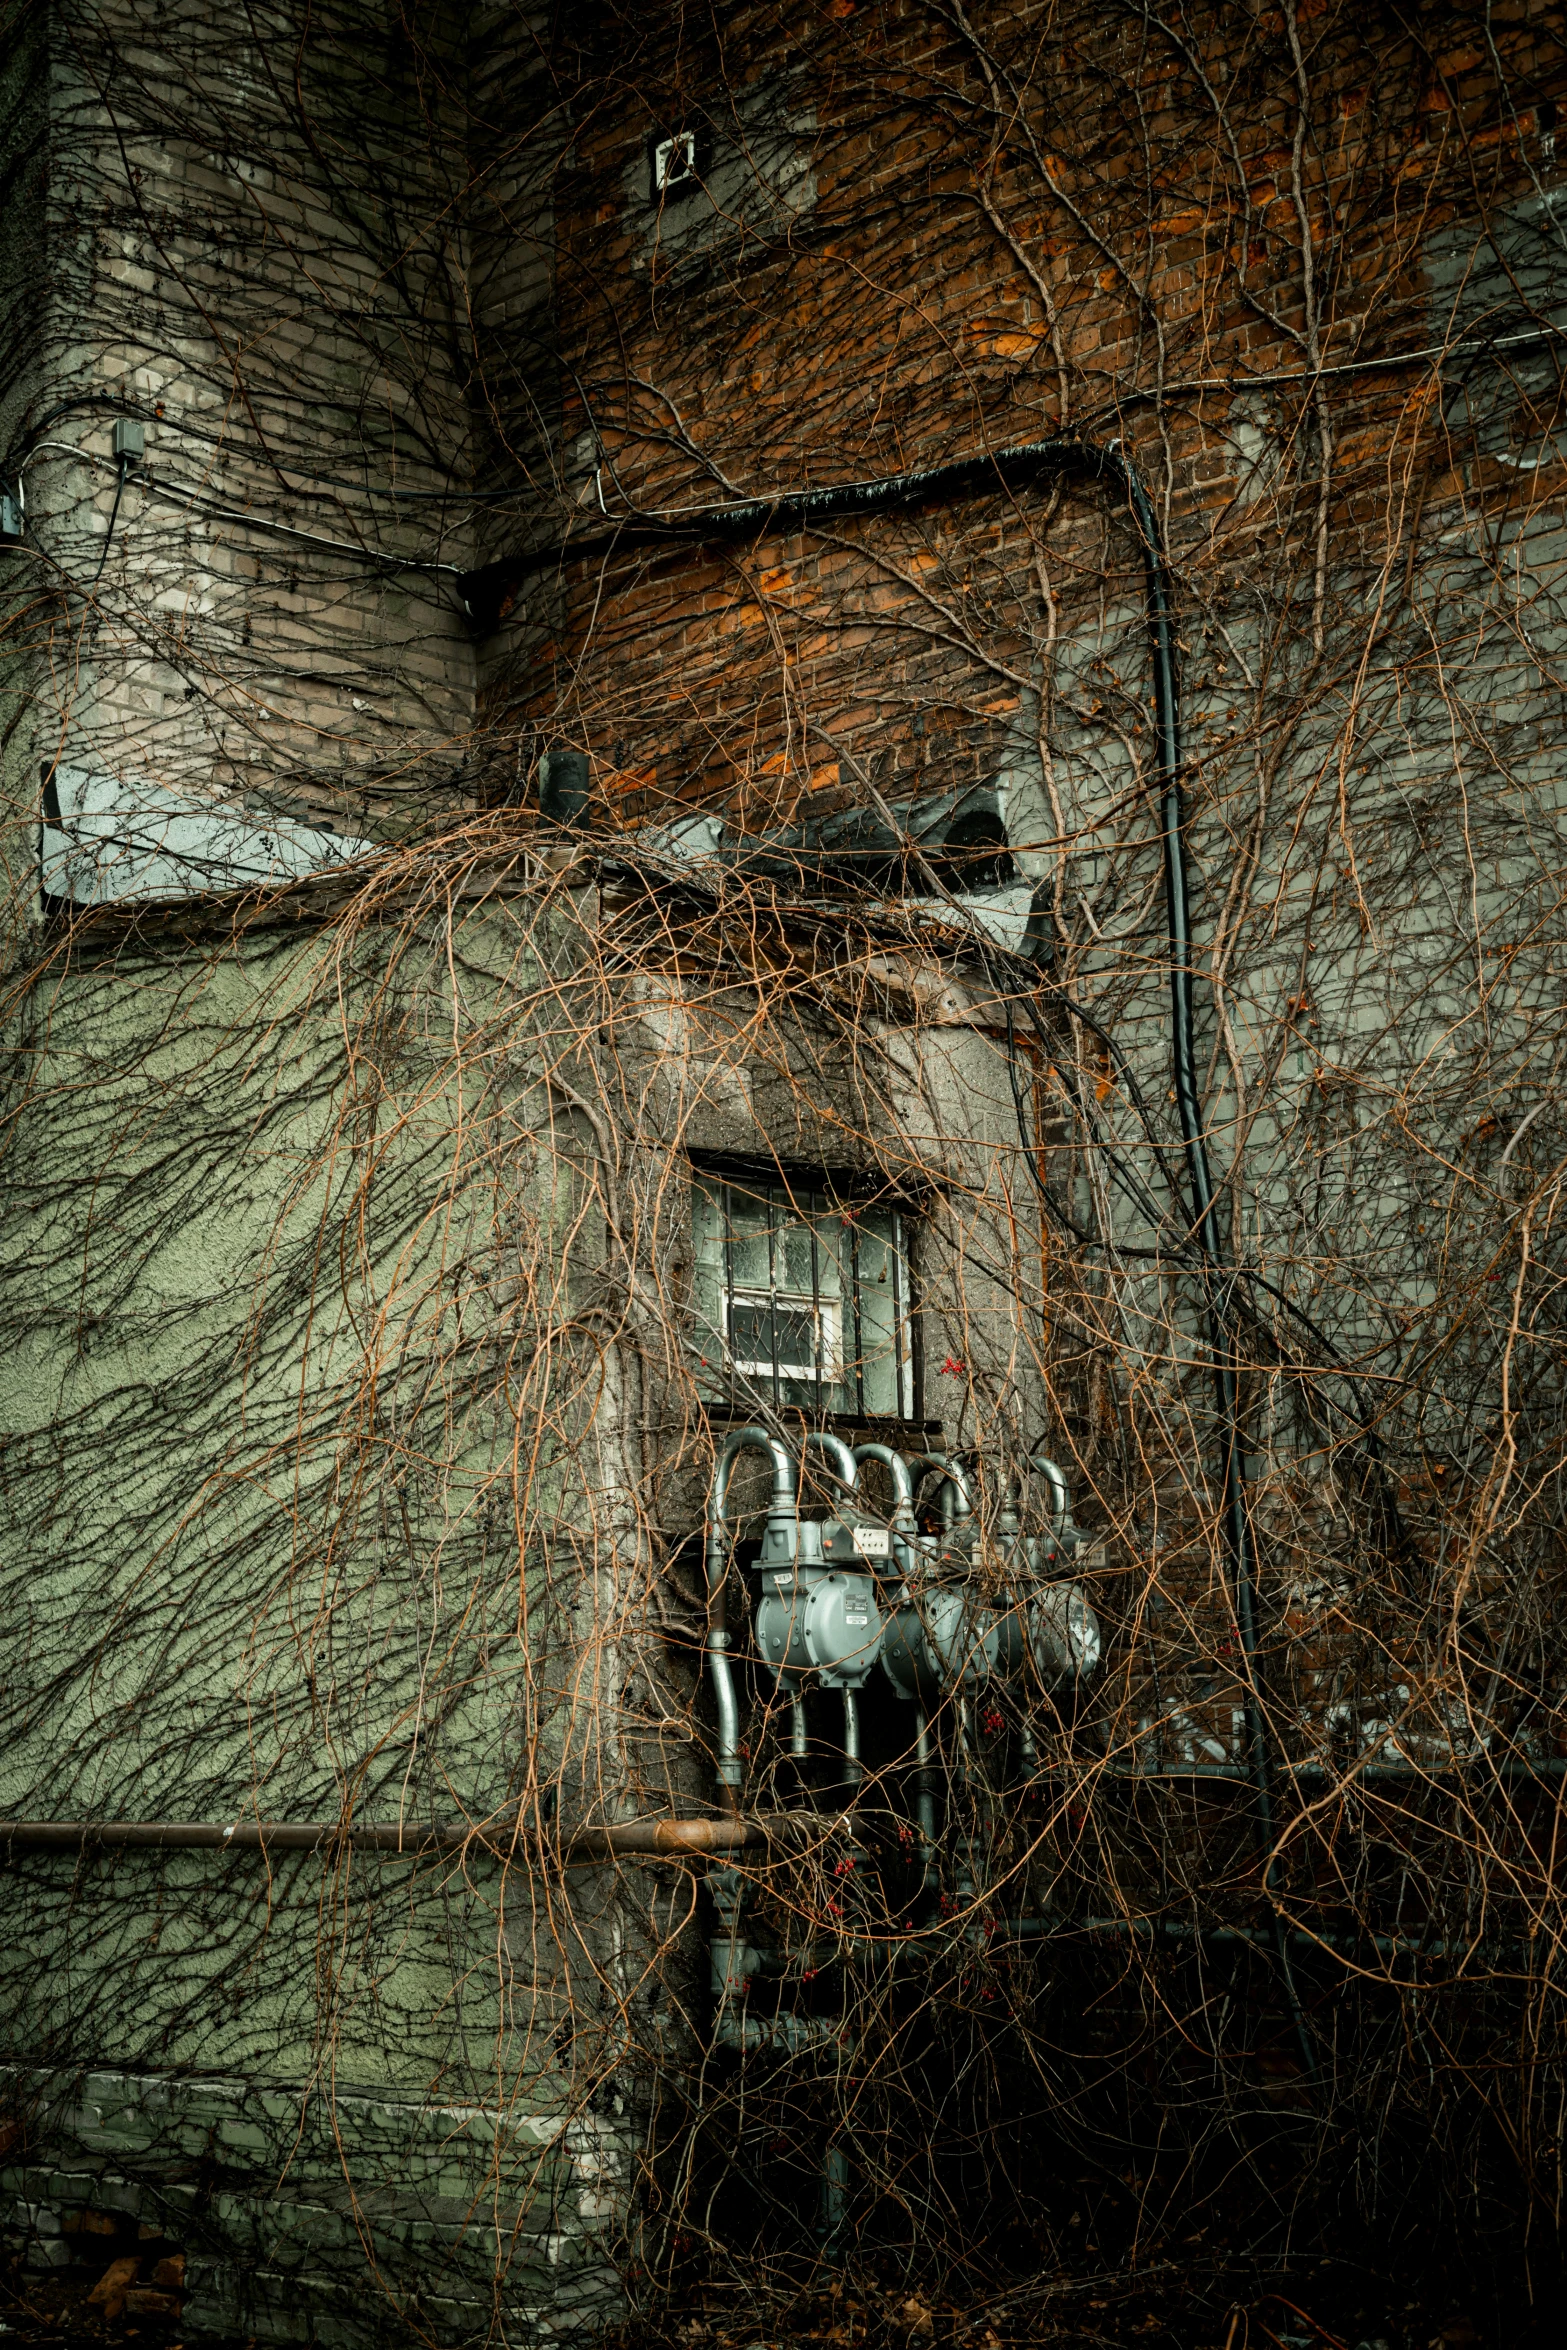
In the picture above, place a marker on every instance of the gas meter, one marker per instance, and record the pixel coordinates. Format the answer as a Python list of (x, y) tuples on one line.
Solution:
[(937, 1642), (1057, 1630), (819, 1621)]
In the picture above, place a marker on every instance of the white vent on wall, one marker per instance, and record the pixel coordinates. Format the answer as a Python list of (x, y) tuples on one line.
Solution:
[(107, 840), (674, 165)]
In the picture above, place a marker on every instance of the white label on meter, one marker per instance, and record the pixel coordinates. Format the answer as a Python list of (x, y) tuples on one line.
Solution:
[(873, 1542), (857, 1617)]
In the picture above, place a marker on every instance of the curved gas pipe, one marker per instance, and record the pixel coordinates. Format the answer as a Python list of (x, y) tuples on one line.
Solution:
[(957, 1505), (957, 1501), (839, 1451), (847, 1465), (785, 1506), (1061, 1500), (905, 1532), (905, 1544)]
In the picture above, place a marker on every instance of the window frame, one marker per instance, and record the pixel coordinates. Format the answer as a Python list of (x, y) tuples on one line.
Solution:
[(813, 1190)]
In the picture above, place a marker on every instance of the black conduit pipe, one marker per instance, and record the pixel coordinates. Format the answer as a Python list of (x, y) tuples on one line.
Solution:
[(487, 594), (1217, 1273)]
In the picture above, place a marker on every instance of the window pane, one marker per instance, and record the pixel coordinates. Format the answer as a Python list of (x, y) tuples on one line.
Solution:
[(796, 1251), (750, 1229), (834, 1250), (802, 1297), (779, 1330), (885, 1367), (710, 1285)]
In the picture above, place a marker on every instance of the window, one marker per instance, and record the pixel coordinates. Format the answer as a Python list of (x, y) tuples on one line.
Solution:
[(802, 1298)]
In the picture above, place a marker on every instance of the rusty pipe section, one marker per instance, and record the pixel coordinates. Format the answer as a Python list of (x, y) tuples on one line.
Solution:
[(651, 1839)]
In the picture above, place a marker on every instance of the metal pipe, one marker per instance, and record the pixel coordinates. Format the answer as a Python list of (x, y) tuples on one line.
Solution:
[(902, 1483), (776, 2035), (834, 2208), (1021, 1929), (838, 1451), (485, 591), (853, 1767), (1061, 1500), (799, 1742), (924, 1799), (785, 1504), (507, 1840), (905, 1530), (956, 1499)]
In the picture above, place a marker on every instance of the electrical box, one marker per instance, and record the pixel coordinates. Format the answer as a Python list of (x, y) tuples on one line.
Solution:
[(129, 442), (12, 532)]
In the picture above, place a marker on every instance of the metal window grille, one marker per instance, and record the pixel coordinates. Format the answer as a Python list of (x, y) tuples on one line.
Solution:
[(803, 1299)]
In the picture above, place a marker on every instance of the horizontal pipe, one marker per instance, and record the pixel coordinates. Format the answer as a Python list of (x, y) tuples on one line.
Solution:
[(1478, 1765), (654, 1839), (485, 591), (1261, 1937)]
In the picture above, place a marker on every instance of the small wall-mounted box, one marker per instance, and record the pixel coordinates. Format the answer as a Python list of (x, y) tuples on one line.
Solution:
[(674, 165), (130, 440), (13, 532)]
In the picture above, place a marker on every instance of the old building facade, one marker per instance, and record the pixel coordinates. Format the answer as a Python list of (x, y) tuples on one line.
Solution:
[(839, 724)]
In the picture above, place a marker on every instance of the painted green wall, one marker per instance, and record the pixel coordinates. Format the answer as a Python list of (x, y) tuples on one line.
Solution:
[(271, 1221)]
